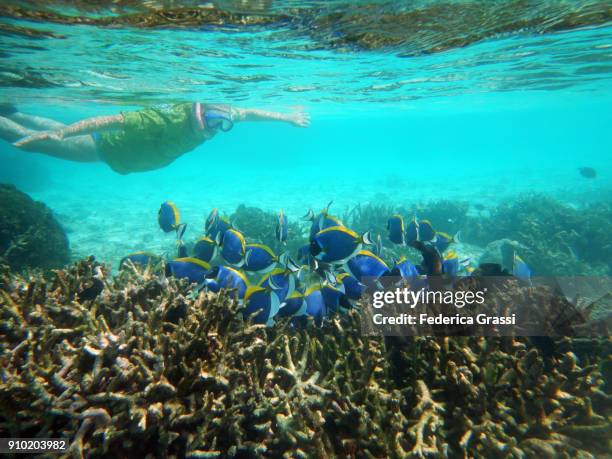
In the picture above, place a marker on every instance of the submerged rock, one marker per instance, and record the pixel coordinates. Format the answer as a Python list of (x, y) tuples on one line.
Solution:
[(501, 252), (30, 237)]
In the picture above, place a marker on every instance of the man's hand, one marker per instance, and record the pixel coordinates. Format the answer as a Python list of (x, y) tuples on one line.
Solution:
[(43, 135), (300, 119)]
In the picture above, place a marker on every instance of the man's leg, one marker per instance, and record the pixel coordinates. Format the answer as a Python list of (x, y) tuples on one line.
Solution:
[(11, 131), (35, 122), (81, 148)]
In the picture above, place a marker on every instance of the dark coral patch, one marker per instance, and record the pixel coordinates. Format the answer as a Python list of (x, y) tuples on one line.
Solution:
[(30, 236)]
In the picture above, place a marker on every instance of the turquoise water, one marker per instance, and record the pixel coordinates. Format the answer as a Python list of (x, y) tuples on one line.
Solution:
[(511, 113)]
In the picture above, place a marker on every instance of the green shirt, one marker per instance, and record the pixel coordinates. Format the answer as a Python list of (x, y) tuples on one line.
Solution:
[(150, 139)]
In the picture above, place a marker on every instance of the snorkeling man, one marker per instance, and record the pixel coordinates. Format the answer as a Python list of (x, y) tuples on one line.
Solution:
[(132, 141)]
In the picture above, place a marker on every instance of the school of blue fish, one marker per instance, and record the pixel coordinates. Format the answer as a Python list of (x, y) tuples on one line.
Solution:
[(328, 275)]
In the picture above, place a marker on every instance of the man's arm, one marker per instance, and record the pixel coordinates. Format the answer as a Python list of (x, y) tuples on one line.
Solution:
[(297, 118), (86, 126)]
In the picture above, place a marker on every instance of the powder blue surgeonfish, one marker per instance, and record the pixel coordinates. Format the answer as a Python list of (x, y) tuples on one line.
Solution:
[(168, 217), (405, 269), (205, 249), (211, 221), (396, 229), (192, 269), (444, 240), (412, 231), (282, 228), (216, 226), (261, 305), (259, 258), (365, 266), (337, 244), (327, 221), (332, 295), (139, 259), (281, 280), (353, 289), (409, 273), (223, 224), (450, 265), (293, 305), (321, 221), (233, 247), (520, 269), (227, 278), (315, 303), (426, 231)]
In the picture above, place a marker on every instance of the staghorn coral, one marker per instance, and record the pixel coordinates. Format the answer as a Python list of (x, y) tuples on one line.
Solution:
[(144, 368)]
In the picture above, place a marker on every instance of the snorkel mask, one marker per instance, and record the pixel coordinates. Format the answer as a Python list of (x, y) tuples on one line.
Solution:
[(218, 117)]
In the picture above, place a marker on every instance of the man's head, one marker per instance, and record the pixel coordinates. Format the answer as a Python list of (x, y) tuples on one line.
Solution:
[(217, 117)]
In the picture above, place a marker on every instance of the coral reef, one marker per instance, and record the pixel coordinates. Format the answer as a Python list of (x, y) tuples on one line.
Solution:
[(29, 234), (553, 238), (259, 226), (446, 216), (557, 239), (141, 367), (368, 217)]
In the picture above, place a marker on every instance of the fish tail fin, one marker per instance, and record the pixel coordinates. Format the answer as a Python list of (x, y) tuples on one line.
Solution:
[(180, 231), (240, 264), (299, 275), (367, 238), (314, 264), (291, 265), (272, 284), (456, 237), (309, 215), (181, 249), (330, 277)]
